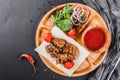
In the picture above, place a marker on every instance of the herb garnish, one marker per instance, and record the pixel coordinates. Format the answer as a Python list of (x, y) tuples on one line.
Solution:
[(62, 18)]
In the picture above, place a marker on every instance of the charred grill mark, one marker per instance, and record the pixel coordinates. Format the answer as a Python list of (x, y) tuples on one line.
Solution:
[(62, 50)]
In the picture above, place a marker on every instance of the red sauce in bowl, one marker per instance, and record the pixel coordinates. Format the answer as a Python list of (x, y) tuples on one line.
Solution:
[(94, 39)]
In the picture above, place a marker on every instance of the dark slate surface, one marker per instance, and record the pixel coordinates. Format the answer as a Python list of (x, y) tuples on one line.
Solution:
[(18, 24)]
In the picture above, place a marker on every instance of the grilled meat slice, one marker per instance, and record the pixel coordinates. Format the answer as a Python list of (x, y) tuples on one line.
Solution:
[(62, 51), (50, 48), (62, 58), (70, 49), (58, 42), (71, 57), (67, 48), (52, 51), (74, 51)]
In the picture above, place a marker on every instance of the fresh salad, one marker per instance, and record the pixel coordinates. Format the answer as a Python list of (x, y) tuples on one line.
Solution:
[(70, 17)]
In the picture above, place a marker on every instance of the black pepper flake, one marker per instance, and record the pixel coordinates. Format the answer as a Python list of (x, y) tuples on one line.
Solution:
[(39, 8), (43, 4), (31, 21), (38, 68), (45, 70), (51, 4), (44, 12), (53, 77), (49, 1)]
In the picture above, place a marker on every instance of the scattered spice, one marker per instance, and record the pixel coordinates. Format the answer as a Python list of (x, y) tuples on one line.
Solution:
[(53, 77), (52, 6), (49, 1), (38, 68), (39, 8), (31, 21), (44, 12), (45, 70), (43, 4), (30, 59)]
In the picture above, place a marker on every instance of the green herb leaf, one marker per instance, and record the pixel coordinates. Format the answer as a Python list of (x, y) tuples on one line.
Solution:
[(62, 18), (65, 25)]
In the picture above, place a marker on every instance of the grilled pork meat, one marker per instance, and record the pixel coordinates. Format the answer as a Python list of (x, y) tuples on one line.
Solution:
[(62, 50), (60, 43)]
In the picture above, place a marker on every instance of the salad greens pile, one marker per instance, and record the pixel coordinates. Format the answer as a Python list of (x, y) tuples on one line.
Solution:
[(62, 18)]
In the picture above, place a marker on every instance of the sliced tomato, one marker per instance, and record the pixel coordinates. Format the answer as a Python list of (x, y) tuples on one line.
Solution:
[(68, 64), (48, 37), (72, 32)]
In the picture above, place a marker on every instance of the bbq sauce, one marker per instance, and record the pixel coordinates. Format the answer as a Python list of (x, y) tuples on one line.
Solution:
[(94, 39)]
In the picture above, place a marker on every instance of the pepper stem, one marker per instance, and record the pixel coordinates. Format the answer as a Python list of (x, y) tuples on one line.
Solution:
[(34, 68)]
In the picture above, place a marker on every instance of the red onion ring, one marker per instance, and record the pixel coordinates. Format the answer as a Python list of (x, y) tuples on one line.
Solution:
[(75, 9), (72, 18), (80, 16), (77, 16)]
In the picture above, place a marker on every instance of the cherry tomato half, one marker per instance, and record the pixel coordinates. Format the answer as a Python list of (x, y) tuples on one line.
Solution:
[(68, 64), (72, 32), (48, 37)]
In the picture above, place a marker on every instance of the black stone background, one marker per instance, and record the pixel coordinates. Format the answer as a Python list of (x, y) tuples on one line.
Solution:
[(18, 23)]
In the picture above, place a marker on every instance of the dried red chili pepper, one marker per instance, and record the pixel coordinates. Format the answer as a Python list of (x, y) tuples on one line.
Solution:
[(30, 59)]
